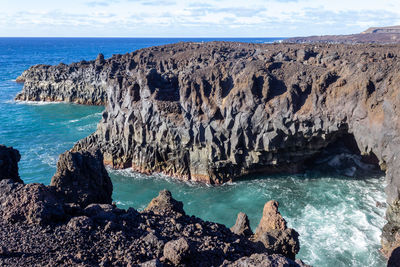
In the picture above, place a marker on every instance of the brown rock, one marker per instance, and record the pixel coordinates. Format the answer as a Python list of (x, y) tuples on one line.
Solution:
[(177, 251), (164, 203), (242, 225), (31, 203), (271, 219)]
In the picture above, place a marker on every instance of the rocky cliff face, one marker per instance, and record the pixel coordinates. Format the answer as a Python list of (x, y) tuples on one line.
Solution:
[(48, 226), (81, 83), (217, 111)]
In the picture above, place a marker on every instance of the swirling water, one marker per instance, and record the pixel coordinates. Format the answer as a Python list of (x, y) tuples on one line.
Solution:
[(336, 217)]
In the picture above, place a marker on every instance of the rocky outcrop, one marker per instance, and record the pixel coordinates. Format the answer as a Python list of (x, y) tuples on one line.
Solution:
[(81, 83), (242, 225), (82, 178), (44, 226), (9, 158), (215, 112), (273, 232), (373, 35)]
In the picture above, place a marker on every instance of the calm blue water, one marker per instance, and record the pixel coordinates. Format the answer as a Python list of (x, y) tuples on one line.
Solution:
[(336, 217)]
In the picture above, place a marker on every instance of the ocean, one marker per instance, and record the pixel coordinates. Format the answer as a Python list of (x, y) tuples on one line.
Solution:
[(336, 216)]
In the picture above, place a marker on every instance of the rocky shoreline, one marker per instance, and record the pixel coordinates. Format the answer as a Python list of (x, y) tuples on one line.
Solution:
[(375, 35), (73, 222), (217, 111)]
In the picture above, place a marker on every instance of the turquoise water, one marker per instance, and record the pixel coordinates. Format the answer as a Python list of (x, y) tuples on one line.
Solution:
[(336, 217)]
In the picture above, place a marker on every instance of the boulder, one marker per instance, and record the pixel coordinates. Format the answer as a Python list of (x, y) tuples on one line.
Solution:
[(164, 204), (82, 178), (9, 158), (177, 251)]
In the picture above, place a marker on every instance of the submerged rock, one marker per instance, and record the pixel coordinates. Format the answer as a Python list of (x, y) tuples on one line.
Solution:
[(82, 178)]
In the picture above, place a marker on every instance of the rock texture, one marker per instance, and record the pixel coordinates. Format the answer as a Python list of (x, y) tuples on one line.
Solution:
[(42, 226), (273, 232), (9, 158), (82, 178), (242, 225), (81, 83), (217, 111)]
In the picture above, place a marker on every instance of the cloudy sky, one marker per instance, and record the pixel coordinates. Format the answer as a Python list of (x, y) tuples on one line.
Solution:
[(185, 18)]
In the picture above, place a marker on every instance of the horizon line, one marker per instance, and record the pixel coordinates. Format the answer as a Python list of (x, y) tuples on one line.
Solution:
[(141, 37)]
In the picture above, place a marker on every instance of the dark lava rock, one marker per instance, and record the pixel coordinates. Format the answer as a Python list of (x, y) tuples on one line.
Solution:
[(164, 203), (394, 259), (284, 242), (177, 251), (9, 158), (82, 178), (31, 203), (242, 225)]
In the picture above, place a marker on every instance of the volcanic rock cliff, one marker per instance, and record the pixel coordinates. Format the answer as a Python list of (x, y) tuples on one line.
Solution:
[(64, 225), (213, 112)]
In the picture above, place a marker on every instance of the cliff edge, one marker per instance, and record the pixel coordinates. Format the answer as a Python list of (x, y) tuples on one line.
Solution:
[(214, 112)]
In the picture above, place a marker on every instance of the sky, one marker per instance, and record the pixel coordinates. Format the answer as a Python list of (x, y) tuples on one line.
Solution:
[(185, 18)]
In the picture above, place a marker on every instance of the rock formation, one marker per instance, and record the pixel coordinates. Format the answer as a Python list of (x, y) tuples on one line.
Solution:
[(217, 111), (242, 225), (81, 177), (47, 226), (9, 158)]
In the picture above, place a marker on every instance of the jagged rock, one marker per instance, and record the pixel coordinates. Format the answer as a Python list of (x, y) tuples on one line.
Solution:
[(82, 178), (284, 242), (271, 219), (164, 203), (9, 158), (272, 231), (177, 251), (264, 260), (242, 225), (31, 203)]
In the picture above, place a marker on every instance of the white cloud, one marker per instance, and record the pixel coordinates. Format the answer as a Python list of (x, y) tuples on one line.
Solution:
[(133, 18)]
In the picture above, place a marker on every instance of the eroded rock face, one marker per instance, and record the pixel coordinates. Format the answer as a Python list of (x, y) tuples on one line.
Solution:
[(82, 178), (216, 111), (9, 158), (81, 83)]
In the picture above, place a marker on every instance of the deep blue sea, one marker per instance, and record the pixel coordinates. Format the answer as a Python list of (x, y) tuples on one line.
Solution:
[(336, 216)]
